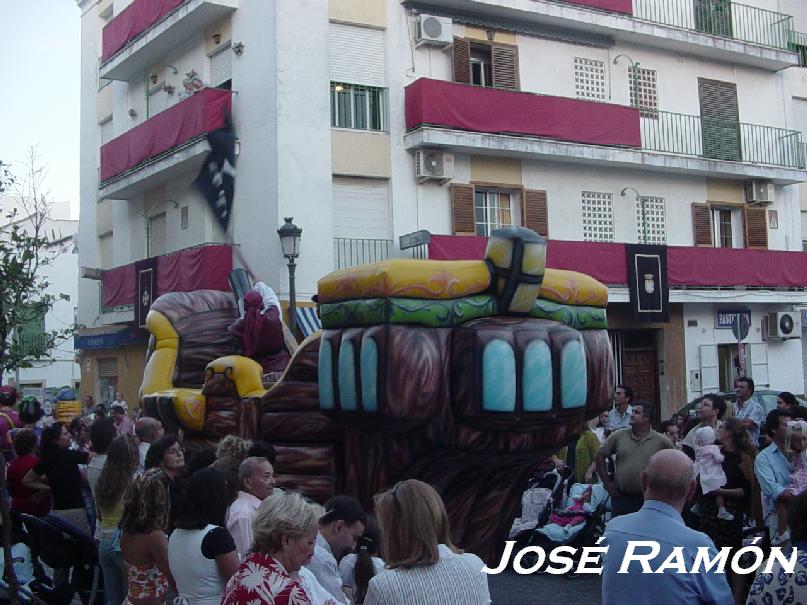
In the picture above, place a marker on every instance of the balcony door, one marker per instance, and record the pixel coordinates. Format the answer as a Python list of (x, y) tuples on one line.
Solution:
[(713, 17), (720, 120)]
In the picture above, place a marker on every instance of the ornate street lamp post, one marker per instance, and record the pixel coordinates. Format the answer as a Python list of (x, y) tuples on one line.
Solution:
[(289, 235)]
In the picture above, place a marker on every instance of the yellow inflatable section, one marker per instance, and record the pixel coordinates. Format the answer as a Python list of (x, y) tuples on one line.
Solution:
[(573, 288)]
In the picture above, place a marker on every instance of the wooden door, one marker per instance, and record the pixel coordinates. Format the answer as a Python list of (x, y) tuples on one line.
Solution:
[(640, 371)]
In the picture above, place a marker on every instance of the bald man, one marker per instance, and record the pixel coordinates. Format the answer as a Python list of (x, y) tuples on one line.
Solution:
[(667, 484), (148, 430)]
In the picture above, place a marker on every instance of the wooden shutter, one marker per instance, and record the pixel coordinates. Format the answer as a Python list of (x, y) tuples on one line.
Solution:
[(504, 58), (756, 227), (534, 213), (702, 224), (462, 60), (462, 209), (720, 120)]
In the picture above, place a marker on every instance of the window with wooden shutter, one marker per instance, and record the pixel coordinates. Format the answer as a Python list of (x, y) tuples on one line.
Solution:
[(462, 60), (756, 227), (505, 66), (462, 209), (720, 120), (534, 212), (702, 224)]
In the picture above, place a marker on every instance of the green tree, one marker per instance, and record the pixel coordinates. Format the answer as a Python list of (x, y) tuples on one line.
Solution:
[(25, 252)]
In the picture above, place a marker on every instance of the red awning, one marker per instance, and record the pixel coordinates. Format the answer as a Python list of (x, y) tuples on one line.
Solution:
[(132, 21), (615, 6), (479, 109), (178, 124), (686, 266), (199, 268)]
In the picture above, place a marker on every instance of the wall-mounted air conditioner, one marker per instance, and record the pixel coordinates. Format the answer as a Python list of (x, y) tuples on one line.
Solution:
[(434, 31), (759, 192), (783, 325), (434, 165)]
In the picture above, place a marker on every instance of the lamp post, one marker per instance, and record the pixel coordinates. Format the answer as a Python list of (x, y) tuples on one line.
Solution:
[(641, 201), (289, 235)]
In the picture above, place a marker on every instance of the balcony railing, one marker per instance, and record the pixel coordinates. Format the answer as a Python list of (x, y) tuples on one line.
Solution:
[(350, 252), (719, 18), (165, 131), (33, 344), (716, 139), (798, 43)]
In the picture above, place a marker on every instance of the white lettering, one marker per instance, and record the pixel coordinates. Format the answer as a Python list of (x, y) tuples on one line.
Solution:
[(508, 550), (702, 558), (643, 559), (556, 555), (674, 561), (538, 562), (788, 565)]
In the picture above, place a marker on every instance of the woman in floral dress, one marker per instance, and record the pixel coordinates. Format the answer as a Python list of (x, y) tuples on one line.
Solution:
[(285, 531)]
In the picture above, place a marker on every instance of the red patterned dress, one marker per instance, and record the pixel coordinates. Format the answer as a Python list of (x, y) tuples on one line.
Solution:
[(262, 580)]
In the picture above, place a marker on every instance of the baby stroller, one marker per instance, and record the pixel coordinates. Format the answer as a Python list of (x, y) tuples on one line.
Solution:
[(583, 528), (59, 545), (545, 492)]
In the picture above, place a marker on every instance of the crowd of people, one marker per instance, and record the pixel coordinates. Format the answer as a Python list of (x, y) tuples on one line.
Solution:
[(214, 528)]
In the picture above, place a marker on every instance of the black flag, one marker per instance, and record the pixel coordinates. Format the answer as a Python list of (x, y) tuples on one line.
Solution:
[(216, 180), (648, 285)]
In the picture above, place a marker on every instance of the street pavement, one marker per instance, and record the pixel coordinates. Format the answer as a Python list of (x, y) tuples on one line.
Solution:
[(510, 588)]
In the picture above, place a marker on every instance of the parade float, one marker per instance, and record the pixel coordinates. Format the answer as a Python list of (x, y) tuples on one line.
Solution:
[(464, 374)]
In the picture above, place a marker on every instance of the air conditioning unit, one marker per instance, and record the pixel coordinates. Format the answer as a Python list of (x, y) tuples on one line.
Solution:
[(434, 31), (434, 165), (784, 325), (759, 192)]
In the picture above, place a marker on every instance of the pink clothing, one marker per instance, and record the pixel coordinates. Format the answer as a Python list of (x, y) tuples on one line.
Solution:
[(124, 426), (798, 478), (562, 520), (709, 467), (239, 522)]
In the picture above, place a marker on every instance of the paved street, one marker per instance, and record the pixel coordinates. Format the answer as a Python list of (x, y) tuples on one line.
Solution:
[(513, 589)]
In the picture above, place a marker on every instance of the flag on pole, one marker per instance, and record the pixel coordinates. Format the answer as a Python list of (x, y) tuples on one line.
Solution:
[(216, 180)]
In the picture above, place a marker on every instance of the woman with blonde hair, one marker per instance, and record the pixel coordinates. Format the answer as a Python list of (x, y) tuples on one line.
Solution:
[(285, 532), (143, 541), (423, 566)]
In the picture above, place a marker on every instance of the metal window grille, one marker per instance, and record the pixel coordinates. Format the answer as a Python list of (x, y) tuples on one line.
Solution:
[(654, 221), (359, 107), (643, 91), (598, 216), (589, 79)]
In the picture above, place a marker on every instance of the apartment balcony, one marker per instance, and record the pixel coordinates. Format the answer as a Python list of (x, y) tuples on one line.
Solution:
[(167, 144), (719, 30), (141, 34), (351, 252), (773, 274), (202, 267), (484, 121)]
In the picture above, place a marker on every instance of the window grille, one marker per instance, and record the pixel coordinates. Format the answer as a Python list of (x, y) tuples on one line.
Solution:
[(589, 79), (598, 216)]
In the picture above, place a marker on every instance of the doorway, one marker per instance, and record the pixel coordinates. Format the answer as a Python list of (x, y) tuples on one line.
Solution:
[(729, 366)]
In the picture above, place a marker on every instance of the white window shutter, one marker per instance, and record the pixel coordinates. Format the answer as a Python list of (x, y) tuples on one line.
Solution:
[(710, 373), (357, 55), (757, 365), (361, 208), (221, 67)]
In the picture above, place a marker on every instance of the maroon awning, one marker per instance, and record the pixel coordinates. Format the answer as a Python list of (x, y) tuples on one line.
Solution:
[(200, 268), (686, 266), (178, 124), (132, 21), (479, 109), (614, 6)]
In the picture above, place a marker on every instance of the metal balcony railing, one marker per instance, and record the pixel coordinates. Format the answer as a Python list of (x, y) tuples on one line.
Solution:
[(798, 43), (33, 344), (350, 252), (719, 18), (716, 139)]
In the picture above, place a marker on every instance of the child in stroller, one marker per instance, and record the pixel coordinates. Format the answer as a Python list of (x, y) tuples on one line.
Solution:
[(582, 516)]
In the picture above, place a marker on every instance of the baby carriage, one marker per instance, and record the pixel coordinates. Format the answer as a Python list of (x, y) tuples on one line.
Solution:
[(545, 492)]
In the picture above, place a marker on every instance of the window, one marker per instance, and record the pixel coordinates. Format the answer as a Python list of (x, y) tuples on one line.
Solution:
[(589, 79), (481, 65), (652, 222), (31, 336), (221, 68), (804, 230), (728, 227), (493, 209), (156, 235), (360, 107), (643, 91), (105, 250), (598, 217)]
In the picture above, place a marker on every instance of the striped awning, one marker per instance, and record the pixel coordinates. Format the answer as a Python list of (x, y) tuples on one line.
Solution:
[(308, 320)]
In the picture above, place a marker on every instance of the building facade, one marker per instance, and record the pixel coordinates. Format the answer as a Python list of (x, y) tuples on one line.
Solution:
[(597, 123)]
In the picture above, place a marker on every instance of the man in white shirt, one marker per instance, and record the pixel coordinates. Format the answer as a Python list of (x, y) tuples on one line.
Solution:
[(619, 416), (148, 430), (257, 482), (339, 529)]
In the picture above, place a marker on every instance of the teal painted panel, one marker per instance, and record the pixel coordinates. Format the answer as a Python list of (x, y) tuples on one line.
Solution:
[(324, 375), (347, 377), (498, 377), (573, 378), (537, 377), (368, 363)]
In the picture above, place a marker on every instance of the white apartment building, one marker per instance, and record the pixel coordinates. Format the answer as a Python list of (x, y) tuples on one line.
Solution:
[(595, 122)]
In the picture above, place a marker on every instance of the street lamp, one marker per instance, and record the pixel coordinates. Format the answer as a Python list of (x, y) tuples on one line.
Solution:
[(289, 235), (641, 201)]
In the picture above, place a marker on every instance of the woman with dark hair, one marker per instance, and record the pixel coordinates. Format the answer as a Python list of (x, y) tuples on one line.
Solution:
[(30, 412), (59, 465), (143, 542), (423, 566), (201, 552), (168, 455), (122, 459), (357, 569), (24, 499), (740, 493)]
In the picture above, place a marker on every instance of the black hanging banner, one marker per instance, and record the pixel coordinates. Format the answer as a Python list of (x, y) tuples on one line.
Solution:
[(647, 283), (146, 274), (216, 180)]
